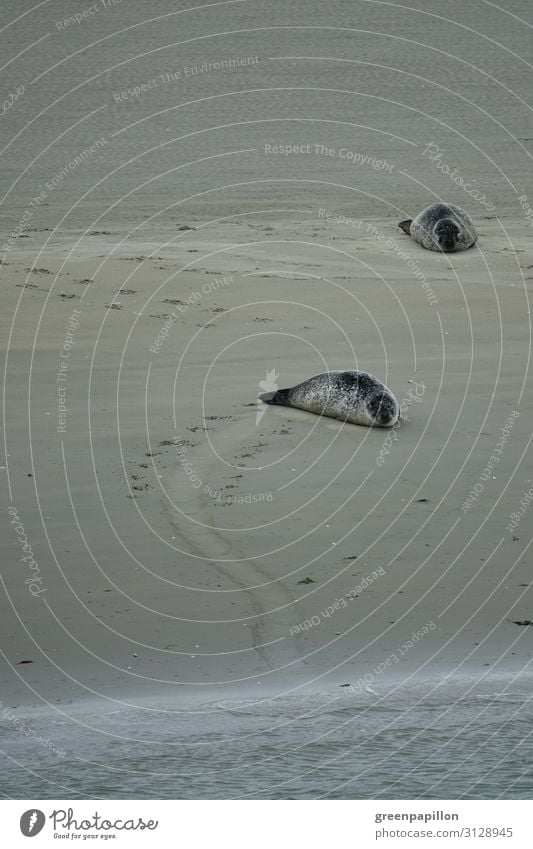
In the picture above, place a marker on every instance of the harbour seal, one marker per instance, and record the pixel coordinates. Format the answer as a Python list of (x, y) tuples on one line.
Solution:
[(442, 227), (352, 396)]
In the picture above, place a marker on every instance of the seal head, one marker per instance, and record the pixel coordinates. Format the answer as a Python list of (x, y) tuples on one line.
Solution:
[(447, 235), (383, 408)]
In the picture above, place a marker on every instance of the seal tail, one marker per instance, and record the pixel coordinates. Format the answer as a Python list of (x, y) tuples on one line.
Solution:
[(280, 397), (406, 226)]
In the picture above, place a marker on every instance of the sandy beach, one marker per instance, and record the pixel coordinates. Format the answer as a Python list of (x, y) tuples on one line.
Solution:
[(170, 254)]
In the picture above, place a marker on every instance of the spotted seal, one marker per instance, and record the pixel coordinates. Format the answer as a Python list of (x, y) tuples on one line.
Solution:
[(442, 227), (352, 396)]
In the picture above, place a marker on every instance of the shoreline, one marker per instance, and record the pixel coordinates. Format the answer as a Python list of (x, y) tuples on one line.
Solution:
[(207, 571)]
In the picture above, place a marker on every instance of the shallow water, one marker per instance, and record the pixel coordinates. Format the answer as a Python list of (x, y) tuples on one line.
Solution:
[(473, 747)]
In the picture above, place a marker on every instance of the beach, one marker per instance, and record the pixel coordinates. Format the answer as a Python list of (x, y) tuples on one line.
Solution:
[(177, 241)]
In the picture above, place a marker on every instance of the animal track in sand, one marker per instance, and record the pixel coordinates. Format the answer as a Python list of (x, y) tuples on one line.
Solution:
[(38, 270), (33, 286)]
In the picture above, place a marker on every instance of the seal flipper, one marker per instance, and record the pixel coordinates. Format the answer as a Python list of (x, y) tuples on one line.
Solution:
[(280, 397), (406, 226)]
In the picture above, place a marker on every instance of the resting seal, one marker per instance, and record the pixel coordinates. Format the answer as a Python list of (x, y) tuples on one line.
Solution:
[(442, 227), (352, 396)]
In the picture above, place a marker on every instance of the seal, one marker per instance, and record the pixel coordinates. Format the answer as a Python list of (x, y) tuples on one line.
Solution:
[(352, 396), (442, 227)]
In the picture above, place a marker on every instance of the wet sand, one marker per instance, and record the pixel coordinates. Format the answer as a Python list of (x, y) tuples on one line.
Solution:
[(191, 543)]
